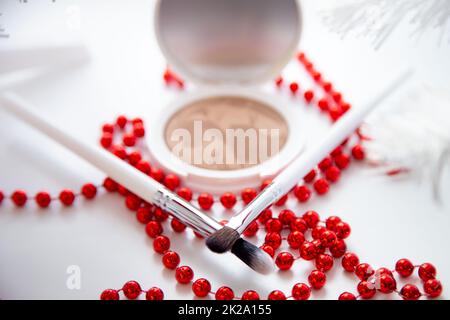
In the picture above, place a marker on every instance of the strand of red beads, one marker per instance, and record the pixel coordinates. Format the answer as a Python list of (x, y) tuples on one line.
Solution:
[(326, 238)]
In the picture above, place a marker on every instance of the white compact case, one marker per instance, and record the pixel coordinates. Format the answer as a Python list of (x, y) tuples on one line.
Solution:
[(227, 48)]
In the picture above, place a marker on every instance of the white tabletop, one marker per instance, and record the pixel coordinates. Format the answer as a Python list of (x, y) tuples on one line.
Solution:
[(390, 219)]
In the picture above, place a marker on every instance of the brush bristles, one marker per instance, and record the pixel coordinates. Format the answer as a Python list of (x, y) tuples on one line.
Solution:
[(253, 256), (222, 240)]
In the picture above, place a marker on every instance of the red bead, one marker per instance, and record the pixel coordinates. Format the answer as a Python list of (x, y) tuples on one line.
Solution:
[(321, 186), (387, 283), (320, 249), (302, 193), (308, 95), (433, 288), (342, 230), (337, 97), (410, 292), (427, 271), (201, 287), (106, 140), (331, 222), (228, 200), (19, 197), (122, 190), (333, 174), (67, 197), (224, 293), (250, 295), (325, 164), (143, 166), (138, 130), (184, 274), (273, 225), (153, 229), (286, 216), (363, 271), (308, 250), (265, 215), (109, 294), (294, 87), (338, 249), (301, 291), (185, 193), (252, 229), (161, 244), (327, 86), (133, 202), (89, 191), (160, 214), (335, 113), (268, 249), (110, 185), (350, 261), (265, 183), (273, 239), (205, 201), (154, 293), (282, 201), (2, 196), (337, 151), (119, 152), (404, 267), (317, 279), (385, 271), (43, 199), (171, 181), (347, 296), (278, 81), (177, 225), (121, 121), (134, 157), (317, 76), (317, 231), (323, 104), (132, 290), (137, 121), (157, 174), (170, 259), (345, 107), (358, 152), (366, 289), (310, 176), (284, 260), (342, 161), (295, 239), (298, 225), (328, 238), (311, 218), (324, 262), (107, 127), (276, 295), (248, 195), (144, 215)]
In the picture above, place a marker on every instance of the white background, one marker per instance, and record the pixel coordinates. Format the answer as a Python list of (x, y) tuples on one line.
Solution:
[(390, 219)]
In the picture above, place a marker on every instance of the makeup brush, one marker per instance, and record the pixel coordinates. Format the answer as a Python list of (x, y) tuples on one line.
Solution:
[(224, 239), (137, 182)]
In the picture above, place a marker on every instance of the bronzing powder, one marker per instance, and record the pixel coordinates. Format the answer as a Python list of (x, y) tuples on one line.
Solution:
[(226, 133)]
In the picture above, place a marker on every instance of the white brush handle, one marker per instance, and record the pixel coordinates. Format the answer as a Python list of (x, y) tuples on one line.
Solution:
[(128, 176), (290, 176)]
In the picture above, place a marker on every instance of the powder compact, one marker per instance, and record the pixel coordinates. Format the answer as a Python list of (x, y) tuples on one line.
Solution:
[(225, 132)]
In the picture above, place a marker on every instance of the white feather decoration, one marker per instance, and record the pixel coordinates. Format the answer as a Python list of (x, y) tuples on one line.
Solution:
[(378, 19), (413, 136)]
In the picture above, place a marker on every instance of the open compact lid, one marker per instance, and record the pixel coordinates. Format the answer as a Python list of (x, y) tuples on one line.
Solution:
[(228, 41)]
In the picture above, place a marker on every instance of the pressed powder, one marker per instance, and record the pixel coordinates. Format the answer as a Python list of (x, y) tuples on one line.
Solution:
[(226, 133)]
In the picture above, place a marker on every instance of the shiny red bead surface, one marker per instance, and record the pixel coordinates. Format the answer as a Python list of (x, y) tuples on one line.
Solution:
[(131, 290), (308, 95), (298, 224), (268, 249), (228, 200), (286, 216), (252, 229), (338, 249), (427, 271), (89, 191), (342, 230), (201, 287), (273, 225), (205, 201), (321, 186), (410, 292), (301, 291), (121, 121), (350, 261), (387, 283), (43, 199), (324, 262), (366, 289), (347, 296), (311, 218), (248, 195), (433, 288), (273, 239), (67, 197), (129, 140), (154, 293), (250, 295), (363, 271), (302, 193), (358, 152), (171, 181), (317, 279), (295, 239), (284, 260), (293, 87), (171, 259), (185, 193), (153, 229), (161, 244), (184, 274), (144, 215), (177, 225), (224, 293), (310, 176), (308, 250), (333, 174), (276, 295), (19, 198), (109, 294), (404, 267)]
